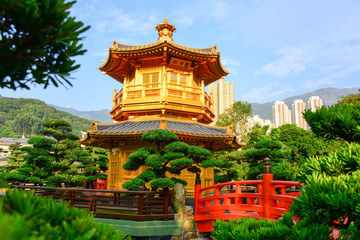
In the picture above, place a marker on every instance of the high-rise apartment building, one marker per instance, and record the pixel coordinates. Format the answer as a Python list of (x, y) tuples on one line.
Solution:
[(297, 109), (223, 96), (255, 119), (314, 103), (281, 114)]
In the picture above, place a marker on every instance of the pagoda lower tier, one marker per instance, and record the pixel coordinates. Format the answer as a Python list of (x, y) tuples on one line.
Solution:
[(124, 138)]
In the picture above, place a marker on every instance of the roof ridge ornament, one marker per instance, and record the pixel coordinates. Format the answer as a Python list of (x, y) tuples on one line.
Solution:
[(165, 31)]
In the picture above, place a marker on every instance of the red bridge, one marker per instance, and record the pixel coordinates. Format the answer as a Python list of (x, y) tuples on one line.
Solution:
[(265, 198)]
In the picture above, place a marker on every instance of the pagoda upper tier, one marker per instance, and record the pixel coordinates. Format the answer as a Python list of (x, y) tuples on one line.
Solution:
[(163, 79)]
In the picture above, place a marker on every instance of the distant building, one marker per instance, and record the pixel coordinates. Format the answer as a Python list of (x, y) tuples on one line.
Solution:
[(255, 119), (297, 109), (281, 114), (5, 144), (314, 103), (223, 96)]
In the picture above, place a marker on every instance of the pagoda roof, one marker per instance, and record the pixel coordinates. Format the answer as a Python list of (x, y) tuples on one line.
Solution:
[(186, 130), (122, 58), (211, 51)]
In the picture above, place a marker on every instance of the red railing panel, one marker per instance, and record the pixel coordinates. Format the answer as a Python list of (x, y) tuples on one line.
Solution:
[(265, 198)]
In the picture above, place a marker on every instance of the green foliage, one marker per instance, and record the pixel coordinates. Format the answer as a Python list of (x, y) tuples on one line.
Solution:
[(262, 149), (230, 166), (331, 195), (259, 229), (351, 98), (330, 200), (102, 176), (137, 159), (38, 40), (178, 180), (168, 156), (285, 170), (177, 147), (339, 122), (78, 180), (53, 158), (161, 183), (301, 143), (3, 184), (16, 159), (14, 176), (159, 137), (237, 116), (256, 134), (134, 184), (20, 116), (147, 175), (34, 179), (95, 163), (343, 161), (25, 216)]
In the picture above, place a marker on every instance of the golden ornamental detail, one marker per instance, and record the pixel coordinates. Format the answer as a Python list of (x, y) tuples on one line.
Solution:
[(165, 31)]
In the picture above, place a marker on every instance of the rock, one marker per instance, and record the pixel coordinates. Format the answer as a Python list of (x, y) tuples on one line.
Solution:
[(188, 210), (176, 236), (179, 198), (191, 235), (189, 226)]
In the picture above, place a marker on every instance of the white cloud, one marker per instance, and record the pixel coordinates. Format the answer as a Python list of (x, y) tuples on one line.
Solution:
[(291, 60), (330, 79), (328, 61), (267, 92)]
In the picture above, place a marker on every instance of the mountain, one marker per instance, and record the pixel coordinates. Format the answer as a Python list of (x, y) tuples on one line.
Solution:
[(20, 116), (102, 116), (328, 95)]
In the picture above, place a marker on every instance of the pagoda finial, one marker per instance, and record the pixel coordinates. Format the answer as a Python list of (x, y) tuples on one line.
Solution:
[(165, 30)]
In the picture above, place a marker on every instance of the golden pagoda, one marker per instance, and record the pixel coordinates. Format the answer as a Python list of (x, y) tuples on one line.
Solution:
[(163, 87)]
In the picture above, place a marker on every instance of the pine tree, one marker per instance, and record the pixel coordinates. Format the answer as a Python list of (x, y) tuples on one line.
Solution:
[(168, 156), (96, 166), (54, 156), (16, 159)]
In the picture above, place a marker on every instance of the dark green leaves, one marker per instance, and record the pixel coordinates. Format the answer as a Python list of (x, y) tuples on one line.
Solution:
[(160, 137), (340, 122), (37, 42), (25, 216), (169, 156)]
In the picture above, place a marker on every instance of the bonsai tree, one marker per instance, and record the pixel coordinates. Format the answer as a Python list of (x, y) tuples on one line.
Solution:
[(16, 159), (53, 156), (262, 149), (230, 166), (96, 165), (168, 156)]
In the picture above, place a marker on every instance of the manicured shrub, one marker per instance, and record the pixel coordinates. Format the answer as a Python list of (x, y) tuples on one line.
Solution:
[(25, 216), (166, 157), (282, 229)]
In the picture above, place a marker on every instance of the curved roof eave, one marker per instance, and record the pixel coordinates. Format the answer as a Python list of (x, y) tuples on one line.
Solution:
[(123, 48), (128, 49)]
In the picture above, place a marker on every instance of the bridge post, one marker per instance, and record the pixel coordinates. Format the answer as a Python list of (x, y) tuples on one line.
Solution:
[(266, 187), (197, 193)]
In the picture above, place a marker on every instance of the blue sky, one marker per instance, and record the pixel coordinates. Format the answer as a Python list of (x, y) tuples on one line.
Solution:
[(273, 49)]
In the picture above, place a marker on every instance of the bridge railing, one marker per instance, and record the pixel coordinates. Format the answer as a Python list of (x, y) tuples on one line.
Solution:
[(265, 198), (131, 205)]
